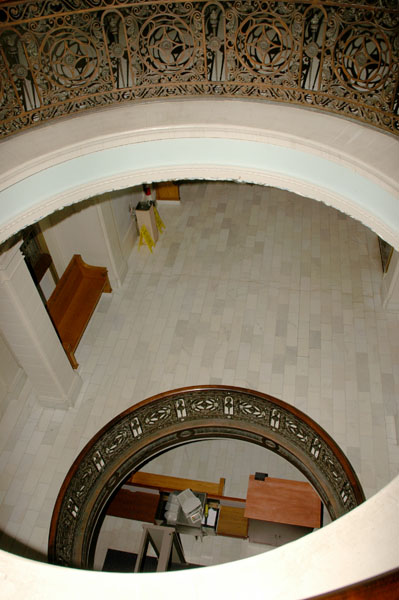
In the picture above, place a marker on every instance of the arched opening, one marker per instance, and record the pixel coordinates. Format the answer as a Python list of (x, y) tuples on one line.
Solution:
[(218, 466), (177, 417), (244, 141), (286, 203)]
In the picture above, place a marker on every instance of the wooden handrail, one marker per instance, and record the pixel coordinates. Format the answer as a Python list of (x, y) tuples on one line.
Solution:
[(381, 587)]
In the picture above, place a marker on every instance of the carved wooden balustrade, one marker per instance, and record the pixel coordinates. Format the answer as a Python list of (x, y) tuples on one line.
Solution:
[(59, 57), (185, 416)]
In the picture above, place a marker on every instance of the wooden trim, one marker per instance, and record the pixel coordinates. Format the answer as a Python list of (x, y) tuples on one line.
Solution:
[(349, 471), (166, 483), (381, 587)]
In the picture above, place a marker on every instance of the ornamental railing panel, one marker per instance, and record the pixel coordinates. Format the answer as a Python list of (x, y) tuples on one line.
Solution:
[(60, 57), (185, 416)]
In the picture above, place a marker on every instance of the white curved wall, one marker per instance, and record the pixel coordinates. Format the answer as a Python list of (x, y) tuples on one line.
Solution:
[(326, 158), (348, 166)]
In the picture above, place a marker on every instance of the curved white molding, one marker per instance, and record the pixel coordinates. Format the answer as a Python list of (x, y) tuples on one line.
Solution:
[(359, 545), (353, 154), (372, 153), (216, 131), (209, 172)]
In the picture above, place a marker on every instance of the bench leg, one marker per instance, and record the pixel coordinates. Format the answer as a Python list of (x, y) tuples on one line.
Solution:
[(107, 286), (71, 356)]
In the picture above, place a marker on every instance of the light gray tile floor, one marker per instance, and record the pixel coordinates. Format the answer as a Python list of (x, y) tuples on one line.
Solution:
[(247, 286)]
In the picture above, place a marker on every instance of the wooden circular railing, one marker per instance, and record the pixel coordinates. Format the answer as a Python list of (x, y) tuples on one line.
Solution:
[(60, 58), (183, 416), (382, 587)]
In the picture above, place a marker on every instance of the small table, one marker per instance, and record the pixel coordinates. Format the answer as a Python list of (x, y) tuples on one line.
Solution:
[(281, 510)]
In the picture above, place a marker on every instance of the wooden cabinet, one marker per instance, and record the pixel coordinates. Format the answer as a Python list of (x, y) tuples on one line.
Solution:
[(232, 522), (167, 191)]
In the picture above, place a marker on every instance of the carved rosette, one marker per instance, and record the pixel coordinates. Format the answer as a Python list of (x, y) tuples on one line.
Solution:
[(186, 415), (67, 57)]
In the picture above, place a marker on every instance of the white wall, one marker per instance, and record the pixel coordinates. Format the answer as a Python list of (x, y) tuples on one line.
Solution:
[(75, 230), (390, 284), (10, 373), (122, 202), (101, 230)]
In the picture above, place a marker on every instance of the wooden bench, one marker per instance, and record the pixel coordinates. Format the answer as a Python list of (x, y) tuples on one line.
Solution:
[(165, 483), (73, 301)]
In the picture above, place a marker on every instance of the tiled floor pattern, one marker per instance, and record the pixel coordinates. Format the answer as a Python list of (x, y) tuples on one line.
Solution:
[(248, 286)]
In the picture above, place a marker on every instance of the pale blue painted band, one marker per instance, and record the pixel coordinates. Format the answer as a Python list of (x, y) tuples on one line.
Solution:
[(258, 156)]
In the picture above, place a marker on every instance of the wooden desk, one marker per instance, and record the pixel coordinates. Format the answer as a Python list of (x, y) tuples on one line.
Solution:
[(289, 503), (283, 501)]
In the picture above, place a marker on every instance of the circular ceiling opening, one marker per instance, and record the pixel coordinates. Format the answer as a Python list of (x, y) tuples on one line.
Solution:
[(221, 468), (169, 420)]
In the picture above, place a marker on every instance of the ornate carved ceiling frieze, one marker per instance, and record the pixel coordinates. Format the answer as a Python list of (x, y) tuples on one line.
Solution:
[(61, 57)]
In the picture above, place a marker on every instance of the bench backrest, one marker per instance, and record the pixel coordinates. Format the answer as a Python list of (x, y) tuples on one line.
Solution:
[(166, 482)]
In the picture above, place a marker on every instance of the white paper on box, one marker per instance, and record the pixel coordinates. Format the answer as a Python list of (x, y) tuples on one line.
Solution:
[(188, 501)]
